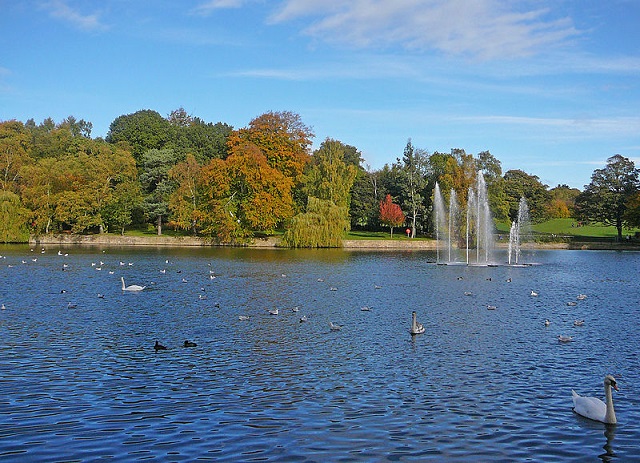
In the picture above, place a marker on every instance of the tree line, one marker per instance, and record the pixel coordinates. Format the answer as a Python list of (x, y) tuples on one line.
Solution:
[(229, 185)]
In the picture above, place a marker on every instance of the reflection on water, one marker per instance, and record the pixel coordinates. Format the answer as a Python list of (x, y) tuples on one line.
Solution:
[(81, 380), (609, 434)]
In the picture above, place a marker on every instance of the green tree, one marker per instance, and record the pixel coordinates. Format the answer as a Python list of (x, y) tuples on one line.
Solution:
[(186, 201), (632, 214), (606, 198), (119, 186), (13, 217), (14, 146), (412, 174), (142, 131), (328, 176), (518, 184), (157, 186), (191, 135), (322, 226), (42, 181), (364, 207), (491, 169)]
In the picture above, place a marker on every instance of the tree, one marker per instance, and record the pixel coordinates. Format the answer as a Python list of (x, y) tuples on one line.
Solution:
[(120, 186), (156, 184), (632, 214), (142, 131), (391, 214), (328, 176), (606, 198), (322, 226), (412, 174), (491, 169), (186, 202), (191, 135), (14, 144), (364, 207), (282, 137), (262, 193), (518, 184), (563, 200), (220, 218), (42, 181), (13, 218)]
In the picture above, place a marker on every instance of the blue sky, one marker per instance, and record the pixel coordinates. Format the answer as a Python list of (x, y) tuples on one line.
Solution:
[(549, 87)]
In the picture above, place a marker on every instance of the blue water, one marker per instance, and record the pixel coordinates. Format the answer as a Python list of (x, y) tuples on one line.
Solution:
[(83, 383)]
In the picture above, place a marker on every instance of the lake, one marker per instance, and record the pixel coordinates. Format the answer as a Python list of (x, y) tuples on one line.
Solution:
[(81, 380)]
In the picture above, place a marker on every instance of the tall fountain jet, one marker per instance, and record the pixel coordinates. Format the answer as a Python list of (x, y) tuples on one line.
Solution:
[(519, 230), (479, 224), (453, 220), (440, 220)]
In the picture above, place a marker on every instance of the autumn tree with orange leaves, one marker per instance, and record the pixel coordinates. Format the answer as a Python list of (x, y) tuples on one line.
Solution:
[(283, 139), (390, 214)]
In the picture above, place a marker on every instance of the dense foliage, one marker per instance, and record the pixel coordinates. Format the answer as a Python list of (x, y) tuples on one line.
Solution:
[(226, 184)]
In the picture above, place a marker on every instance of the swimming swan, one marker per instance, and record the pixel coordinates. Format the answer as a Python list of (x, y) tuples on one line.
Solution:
[(131, 287), (416, 328), (594, 408)]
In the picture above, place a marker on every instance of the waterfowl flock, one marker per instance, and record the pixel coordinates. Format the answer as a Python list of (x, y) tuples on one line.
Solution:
[(586, 406)]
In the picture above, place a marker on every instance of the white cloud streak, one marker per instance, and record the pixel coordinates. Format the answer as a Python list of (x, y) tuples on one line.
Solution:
[(59, 9), (207, 8), (479, 29)]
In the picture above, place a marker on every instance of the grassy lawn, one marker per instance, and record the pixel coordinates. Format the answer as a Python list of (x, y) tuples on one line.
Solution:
[(381, 235), (569, 227), (562, 228), (558, 227)]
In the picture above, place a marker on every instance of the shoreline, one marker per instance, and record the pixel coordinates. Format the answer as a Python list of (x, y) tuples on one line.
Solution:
[(273, 243)]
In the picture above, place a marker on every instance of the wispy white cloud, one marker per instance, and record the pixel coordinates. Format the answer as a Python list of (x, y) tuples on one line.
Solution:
[(206, 8), (581, 125), (482, 29), (60, 9)]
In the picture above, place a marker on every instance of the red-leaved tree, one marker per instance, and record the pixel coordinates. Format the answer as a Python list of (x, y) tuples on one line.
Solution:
[(390, 214)]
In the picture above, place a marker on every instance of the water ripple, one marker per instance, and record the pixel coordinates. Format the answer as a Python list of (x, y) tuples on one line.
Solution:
[(84, 383)]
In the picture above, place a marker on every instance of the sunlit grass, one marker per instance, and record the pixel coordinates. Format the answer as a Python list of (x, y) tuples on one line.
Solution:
[(571, 228), (560, 228)]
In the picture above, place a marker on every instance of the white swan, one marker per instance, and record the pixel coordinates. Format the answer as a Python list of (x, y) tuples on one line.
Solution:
[(594, 408), (335, 326), (534, 294), (416, 328), (131, 287)]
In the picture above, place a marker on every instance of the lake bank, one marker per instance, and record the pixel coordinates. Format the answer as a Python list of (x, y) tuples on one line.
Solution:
[(273, 242)]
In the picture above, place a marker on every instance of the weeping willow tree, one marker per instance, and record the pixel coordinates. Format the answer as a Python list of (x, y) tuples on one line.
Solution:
[(327, 183), (12, 219), (321, 226)]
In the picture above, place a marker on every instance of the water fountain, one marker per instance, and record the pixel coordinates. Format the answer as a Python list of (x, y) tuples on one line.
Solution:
[(479, 224), (520, 228), (440, 219), (453, 220)]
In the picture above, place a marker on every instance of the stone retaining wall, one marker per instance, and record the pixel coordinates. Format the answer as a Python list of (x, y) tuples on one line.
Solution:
[(273, 242)]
